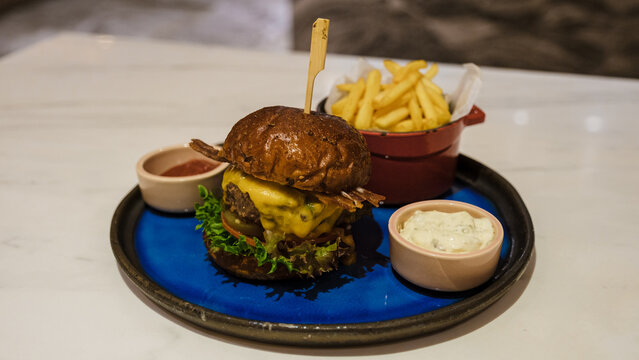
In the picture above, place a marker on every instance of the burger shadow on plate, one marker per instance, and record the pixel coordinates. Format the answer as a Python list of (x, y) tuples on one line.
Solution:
[(368, 237)]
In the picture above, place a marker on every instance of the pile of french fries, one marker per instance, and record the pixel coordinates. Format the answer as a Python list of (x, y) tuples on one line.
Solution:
[(410, 102)]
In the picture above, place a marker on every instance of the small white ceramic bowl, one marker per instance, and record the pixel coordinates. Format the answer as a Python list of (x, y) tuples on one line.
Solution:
[(437, 270), (176, 194)]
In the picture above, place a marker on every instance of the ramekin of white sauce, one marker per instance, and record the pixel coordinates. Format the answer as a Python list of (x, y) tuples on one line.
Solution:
[(444, 245), (456, 232)]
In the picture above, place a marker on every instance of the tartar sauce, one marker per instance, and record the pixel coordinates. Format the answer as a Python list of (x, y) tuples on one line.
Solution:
[(447, 232)]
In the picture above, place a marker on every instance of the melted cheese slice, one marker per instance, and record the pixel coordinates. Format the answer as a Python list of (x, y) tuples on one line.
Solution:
[(284, 209)]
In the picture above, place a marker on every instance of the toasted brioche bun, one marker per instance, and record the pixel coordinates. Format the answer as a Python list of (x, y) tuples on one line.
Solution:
[(314, 152)]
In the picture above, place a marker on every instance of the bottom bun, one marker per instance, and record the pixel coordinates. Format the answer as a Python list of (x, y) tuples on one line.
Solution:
[(246, 266)]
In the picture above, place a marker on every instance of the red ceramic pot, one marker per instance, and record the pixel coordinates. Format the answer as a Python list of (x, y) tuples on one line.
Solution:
[(415, 166)]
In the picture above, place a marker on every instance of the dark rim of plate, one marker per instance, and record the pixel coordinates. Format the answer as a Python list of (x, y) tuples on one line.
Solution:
[(484, 180)]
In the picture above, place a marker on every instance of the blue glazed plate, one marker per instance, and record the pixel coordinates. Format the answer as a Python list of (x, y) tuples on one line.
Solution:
[(363, 303)]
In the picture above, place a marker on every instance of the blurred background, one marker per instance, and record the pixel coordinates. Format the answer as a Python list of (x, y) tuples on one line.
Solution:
[(599, 37)]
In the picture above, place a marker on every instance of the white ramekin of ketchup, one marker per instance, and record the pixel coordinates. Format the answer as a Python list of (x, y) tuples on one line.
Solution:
[(169, 177)]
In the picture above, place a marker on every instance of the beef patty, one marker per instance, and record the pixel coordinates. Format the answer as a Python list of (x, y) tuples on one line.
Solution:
[(240, 203)]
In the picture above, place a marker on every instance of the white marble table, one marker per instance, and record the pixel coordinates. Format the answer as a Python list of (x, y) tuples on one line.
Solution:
[(77, 111)]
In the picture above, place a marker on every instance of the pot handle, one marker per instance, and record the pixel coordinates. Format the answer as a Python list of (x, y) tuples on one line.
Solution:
[(476, 116)]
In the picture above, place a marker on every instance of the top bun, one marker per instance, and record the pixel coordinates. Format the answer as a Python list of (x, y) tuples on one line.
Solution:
[(315, 152)]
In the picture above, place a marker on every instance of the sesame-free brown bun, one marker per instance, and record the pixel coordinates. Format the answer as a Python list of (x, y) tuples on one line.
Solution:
[(315, 152)]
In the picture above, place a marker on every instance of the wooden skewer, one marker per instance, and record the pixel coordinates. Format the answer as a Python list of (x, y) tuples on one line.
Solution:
[(319, 39)]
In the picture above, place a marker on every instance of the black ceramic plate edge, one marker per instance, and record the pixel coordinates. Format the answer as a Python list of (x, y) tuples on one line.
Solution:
[(484, 180)]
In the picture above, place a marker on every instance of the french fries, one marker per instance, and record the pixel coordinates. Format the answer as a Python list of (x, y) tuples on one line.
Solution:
[(392, 118), (415, 112), (365, 113), (350, 107), (410, 102)]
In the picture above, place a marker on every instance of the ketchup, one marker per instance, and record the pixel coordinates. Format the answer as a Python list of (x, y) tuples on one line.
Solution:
[(191, 167)]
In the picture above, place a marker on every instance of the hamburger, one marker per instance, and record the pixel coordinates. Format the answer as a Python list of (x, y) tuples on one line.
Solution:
[(293, 187)]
